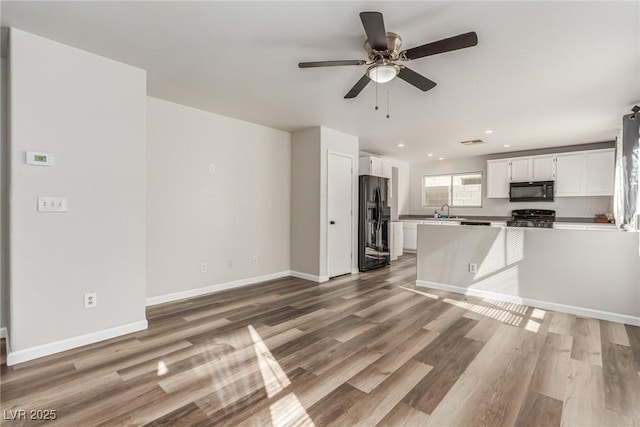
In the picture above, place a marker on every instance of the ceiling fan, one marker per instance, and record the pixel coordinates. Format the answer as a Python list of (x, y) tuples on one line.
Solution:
[(383, 49)]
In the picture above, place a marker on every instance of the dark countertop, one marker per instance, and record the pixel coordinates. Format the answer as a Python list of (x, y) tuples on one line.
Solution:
[(585, 220), (581, 220), (469, 217)]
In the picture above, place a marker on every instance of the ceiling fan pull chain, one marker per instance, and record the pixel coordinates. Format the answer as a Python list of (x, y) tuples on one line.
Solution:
[(387, 105), (376, 90)]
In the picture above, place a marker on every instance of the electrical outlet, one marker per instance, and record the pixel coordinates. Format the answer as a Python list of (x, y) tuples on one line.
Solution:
[(473, 267), (203, 267), (255, 259), (90, 299), (590, 208), (229, 264)]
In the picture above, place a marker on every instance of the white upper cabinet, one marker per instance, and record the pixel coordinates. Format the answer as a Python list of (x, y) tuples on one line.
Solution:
[(387, 170), (600, 172), (534, 168), (543, 168), (585, 173), (374, 166), (521, 169), (578, 173), (570, 174), (498, 177)]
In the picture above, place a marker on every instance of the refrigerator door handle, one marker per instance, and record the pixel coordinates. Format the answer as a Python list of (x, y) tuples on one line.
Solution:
[(378, 206)]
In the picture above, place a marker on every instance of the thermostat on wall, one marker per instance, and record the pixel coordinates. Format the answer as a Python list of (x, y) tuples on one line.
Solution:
[(40, 159)]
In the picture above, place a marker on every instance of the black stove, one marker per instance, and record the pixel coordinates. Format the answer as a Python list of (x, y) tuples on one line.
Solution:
[(536, 218)]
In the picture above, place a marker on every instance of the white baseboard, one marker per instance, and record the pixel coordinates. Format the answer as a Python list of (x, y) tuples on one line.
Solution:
[(7, 343), (14, 357), (3, 332), (311, 277), (571, 309), (214, 288), (409, 251)]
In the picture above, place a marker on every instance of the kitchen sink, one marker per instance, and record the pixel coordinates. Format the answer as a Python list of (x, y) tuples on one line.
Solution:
[(451, 218)]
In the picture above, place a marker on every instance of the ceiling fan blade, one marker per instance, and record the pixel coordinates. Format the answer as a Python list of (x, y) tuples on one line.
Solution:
[(445, 45), (373, 24), (418, 80), (331, 63), (355, 90)]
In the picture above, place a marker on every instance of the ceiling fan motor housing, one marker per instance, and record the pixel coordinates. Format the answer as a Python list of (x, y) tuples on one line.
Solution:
[(394, 42)]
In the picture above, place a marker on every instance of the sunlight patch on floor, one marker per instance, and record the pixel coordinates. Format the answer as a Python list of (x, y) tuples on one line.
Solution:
[(506, 312), (274, 378), (532, 325), (162, 368), (509, 306), (425, 294), (538, 314), (287, 410), (493, 313)]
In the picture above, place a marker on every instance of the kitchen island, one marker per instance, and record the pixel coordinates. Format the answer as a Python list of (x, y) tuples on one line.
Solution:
[(583, 272), (411, 222)]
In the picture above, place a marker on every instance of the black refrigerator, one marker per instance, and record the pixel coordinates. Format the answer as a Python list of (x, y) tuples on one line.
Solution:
[(373, 224)]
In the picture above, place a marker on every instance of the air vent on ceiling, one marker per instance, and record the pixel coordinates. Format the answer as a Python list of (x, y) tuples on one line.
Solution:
[(472, 142)]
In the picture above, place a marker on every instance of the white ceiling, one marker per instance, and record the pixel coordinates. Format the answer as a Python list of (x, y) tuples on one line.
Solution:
[(543, 74)]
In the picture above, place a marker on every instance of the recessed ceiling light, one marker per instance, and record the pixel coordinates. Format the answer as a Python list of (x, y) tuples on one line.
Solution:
[(488, 131), (440, 158), (506, 145), (430, 154), (401, 145)]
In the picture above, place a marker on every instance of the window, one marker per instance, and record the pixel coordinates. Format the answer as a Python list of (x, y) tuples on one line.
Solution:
[(457, 190)]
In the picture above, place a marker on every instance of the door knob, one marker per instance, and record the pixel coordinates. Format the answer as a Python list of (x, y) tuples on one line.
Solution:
[(332, 222)]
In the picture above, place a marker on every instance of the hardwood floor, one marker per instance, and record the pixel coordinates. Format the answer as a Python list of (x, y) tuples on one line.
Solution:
[(362, 350)]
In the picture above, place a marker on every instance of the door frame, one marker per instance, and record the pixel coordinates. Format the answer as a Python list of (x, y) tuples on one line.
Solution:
[(350, 157)]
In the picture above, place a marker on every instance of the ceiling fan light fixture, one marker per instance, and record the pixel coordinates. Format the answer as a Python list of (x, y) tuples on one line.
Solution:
[(383, 73)]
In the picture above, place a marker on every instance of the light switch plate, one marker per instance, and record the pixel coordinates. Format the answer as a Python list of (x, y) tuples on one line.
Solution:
[(52, 204)]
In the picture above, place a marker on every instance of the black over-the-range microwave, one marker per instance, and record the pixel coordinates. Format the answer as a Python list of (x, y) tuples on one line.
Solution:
[(531, 191)]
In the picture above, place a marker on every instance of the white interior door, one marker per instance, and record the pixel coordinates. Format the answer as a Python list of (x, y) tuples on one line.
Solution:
[(339, 217)]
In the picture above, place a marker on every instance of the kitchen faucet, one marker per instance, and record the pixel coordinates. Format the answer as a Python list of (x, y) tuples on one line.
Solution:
[(447, 205)]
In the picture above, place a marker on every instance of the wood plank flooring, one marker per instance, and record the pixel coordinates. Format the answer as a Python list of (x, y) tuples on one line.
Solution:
[(362, 350)]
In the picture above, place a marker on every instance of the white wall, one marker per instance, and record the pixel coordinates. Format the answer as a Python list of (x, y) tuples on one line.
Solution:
[(89, 112), (564, 206), (309, 234), (4, 196), (240, 211), (404, 188), (593, 270), (305, 201)]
